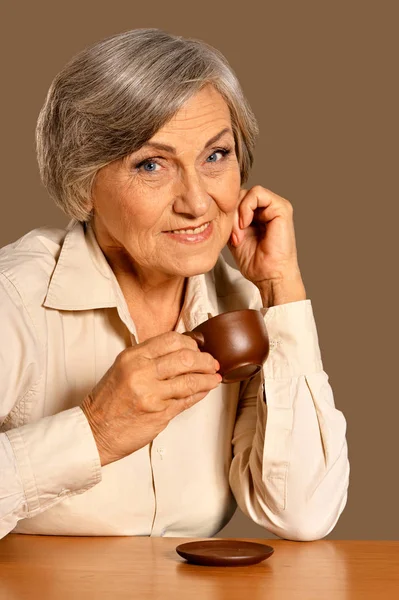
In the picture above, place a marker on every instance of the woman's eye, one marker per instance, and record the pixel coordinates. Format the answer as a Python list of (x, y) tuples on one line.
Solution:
[(222, 152), (150, 164)]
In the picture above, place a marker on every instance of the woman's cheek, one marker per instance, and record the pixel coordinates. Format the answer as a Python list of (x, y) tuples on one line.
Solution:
[(226, 227)]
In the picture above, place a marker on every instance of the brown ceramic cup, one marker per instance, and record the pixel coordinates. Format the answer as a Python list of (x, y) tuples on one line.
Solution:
[(237, 339)]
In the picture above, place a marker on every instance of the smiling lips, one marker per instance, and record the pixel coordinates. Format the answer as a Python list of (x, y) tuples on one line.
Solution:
[(199, 229), (192, 236)]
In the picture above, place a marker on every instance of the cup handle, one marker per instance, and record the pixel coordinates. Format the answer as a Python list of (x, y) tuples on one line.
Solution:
[(197, 336)]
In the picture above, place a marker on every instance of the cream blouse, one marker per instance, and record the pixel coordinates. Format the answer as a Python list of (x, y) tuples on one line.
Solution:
[(274, 445)]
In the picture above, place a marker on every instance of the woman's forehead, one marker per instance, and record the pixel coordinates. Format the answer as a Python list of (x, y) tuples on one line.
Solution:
[(203, 116), (207, 104)]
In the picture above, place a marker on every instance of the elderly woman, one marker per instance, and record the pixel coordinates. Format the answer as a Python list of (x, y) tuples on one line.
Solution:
[(112, 421)]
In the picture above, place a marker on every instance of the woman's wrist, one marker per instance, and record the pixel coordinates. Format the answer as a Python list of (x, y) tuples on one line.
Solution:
[(98, 438), (282, 291)]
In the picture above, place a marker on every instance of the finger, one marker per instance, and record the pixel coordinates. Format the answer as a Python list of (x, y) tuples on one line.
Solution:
[(175, 406), (166, 343), (188, 384), (249, 205), (183, 361), (242, 194), (237, 235), (262, 205)]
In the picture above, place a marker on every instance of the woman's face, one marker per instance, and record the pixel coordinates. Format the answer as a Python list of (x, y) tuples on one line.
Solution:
[(187, 176)]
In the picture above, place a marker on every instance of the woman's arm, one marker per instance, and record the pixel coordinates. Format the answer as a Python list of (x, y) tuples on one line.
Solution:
[(290, 470), (43, 462), (60, 455)]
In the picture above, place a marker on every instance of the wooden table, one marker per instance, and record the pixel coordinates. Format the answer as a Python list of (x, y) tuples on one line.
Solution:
[(72, 568)]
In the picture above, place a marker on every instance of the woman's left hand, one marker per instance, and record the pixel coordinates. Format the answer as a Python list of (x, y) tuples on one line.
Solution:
[(263, 242)]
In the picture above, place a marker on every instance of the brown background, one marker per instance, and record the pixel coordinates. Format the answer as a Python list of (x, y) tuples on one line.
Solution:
[(322, 79)]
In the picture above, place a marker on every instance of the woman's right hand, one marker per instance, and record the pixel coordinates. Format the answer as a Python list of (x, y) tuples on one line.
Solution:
[(147, 386)]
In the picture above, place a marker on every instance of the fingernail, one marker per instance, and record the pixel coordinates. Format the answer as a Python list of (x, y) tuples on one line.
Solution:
[(218, 375), (217, 365), (241, 223)]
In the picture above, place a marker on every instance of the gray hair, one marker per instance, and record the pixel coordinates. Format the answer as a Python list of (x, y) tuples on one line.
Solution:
[(113, 96)]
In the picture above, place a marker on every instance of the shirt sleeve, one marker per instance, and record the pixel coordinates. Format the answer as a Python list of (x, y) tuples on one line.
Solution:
[(12, 501), (43, 462), (290, 468)]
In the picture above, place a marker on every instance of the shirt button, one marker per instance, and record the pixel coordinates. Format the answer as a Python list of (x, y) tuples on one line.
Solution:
[(161, 452), (273, 344)]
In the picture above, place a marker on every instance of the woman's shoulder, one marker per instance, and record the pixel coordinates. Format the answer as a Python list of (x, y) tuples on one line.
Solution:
[(28, 262), (43, 240), (233, 291)]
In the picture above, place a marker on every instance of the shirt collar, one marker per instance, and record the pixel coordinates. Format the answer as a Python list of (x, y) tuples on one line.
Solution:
[(83, 280)]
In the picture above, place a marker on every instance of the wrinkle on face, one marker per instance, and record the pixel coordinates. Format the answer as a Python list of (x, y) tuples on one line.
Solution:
[(133, 209)]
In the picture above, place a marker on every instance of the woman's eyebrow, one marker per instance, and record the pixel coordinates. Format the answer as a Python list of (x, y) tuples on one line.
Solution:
[(171, 149)]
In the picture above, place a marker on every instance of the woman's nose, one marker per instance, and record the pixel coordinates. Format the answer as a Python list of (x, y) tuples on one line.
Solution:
[(191, 196)]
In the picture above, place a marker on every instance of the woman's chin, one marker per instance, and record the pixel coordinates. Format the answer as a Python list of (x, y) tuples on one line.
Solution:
[(196, 265)]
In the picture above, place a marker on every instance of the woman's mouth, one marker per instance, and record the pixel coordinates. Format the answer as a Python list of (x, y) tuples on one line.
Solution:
[(190, 236)]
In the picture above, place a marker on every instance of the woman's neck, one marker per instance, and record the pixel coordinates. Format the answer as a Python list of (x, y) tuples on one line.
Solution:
[(152, 294), (147, 290)]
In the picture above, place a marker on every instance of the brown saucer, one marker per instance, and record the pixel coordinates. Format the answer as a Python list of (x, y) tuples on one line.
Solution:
[(215, 553)]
